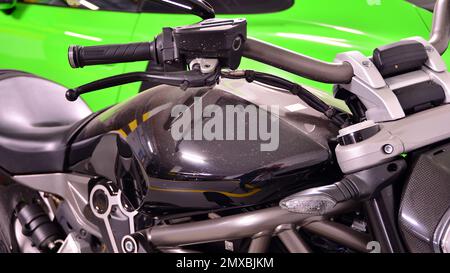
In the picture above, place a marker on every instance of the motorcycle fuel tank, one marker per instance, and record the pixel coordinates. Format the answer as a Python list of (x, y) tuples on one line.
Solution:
[(235, 144)]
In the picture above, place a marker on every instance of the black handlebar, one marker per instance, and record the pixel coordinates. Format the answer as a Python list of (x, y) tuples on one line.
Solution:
[(80, 56), (298, 64), (226, 40)]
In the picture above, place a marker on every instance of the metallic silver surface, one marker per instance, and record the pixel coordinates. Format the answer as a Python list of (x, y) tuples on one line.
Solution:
[(129, 244), (71, 55), (441, 238), (176, 250), (370, 87), (292, 240), (230, 227), (445, 244), (407, 79), (114, 202), (24, 243), (442, 79), (441, 26), (73, 188), (434, 62), (405, 135), (356, 127), (72, 244), (363, 68), (435, 69), (260, 242), (340, 234), (206, 65)]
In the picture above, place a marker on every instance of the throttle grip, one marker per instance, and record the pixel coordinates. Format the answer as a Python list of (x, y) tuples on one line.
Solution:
[(80, 56)]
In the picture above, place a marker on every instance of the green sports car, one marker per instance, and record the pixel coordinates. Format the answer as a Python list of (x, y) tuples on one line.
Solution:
[(40, 32)]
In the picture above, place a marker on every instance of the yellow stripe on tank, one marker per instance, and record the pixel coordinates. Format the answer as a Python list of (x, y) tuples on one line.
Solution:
[(133, 125), (229, 194)]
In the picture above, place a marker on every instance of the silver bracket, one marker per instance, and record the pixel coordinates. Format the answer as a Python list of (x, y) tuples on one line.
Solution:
[(206, 65), (435, 67), (369, 86), (73, 244), (113, 212), (376, 93)]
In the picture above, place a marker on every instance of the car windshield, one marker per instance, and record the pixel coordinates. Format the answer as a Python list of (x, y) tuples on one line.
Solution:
[(220, 6)]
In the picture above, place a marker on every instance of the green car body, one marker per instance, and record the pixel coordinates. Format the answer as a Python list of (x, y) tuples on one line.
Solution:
[(35, 38)]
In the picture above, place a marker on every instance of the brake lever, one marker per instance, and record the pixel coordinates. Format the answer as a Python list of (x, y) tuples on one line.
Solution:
[(182, 79)]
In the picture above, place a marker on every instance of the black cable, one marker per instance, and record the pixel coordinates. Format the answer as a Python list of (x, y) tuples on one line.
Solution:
[(183, 79), (312, 100)]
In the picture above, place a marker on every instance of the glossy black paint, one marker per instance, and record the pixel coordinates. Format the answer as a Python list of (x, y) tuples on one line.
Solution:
[(160, 172), (34, 136)]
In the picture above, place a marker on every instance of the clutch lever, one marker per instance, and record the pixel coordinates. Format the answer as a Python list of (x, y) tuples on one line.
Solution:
[(183, 79)]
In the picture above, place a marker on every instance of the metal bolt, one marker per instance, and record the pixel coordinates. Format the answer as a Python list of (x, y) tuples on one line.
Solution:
[(100, 201), (366, 63), (83, 233), (129, 246), (388, 149), (237, 43)]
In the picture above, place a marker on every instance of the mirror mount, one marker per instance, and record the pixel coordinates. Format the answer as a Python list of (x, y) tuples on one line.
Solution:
[(200, 8), (7, 5)]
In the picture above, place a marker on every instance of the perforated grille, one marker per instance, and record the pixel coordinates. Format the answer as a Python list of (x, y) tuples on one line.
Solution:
[(426, 198)]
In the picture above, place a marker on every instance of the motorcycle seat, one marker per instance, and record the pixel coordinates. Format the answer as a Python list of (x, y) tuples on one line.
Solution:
[(36, 122)]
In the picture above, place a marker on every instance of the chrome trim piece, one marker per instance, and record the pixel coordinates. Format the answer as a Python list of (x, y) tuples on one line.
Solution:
[(356, 127), (71, 56)]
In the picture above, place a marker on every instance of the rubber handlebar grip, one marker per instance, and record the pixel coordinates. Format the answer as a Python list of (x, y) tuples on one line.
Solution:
[(80, 56)]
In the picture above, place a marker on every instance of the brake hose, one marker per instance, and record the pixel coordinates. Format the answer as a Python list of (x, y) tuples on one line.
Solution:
[(313, 101)]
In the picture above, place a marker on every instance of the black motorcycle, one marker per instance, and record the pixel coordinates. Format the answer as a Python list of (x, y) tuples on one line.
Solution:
[(215, 159)]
